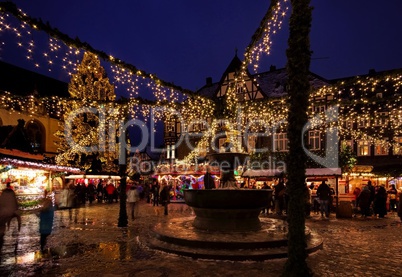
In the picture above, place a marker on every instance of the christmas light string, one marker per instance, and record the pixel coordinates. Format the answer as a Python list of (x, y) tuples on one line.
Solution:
[(356, 97)]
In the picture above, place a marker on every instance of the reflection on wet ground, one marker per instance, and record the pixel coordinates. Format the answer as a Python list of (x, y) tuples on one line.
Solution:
[(87, 242), (21, 255)]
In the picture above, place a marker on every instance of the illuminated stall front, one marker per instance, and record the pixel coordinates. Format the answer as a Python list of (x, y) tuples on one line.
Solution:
[(181, 177), (30, 178)]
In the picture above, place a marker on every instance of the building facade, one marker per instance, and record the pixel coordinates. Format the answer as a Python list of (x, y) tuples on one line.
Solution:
[(362, 113)]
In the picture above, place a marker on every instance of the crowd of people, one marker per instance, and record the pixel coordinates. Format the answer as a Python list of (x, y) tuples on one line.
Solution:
[(376, 200), (369, 201), (79, 193)]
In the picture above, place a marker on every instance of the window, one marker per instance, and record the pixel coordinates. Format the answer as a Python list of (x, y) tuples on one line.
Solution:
[(347, 143), (319, 108), (363, 123), (221, 143), (314, 140), (363, 148), (36, 135), (281, 142), (251, 141), (398, 146), (173, 153), (349, 124), (381, 119), (197, 127), (381, 148), (168, 152), (170, 126)]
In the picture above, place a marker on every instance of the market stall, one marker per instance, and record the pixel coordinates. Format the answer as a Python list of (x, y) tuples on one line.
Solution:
[(29, 179)]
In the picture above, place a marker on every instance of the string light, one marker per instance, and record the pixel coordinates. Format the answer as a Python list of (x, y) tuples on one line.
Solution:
[(375, 100)]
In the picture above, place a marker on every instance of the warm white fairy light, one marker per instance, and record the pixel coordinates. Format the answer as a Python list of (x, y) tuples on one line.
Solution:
[(356, 101)]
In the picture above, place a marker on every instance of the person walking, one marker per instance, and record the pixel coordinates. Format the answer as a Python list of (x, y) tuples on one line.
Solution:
[(46, 217), (279, 190), (372, 193), (8, 210), (132, 201), (91, 191), (155, 193), (165, 197), (364, 201), (380, 202), (324, 194), (392, 194), (209, 182), (99, 192), (110, 190)]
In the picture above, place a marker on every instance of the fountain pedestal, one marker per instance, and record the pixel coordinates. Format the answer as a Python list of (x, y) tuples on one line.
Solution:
[(227, 209), (227, 223)]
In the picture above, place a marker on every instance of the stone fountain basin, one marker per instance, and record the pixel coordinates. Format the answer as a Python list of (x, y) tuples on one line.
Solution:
[(227, 209), (228, 198)]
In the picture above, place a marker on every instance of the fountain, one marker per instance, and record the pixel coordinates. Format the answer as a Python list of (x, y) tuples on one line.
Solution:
[(227, 223), (227, 208)]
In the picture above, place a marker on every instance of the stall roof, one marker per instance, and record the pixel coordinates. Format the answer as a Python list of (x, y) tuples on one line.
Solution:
[(84, 176), (253, 173), (39, 165)]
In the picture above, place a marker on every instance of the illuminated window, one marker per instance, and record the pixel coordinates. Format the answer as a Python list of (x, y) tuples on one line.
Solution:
[(197, 126), (251, 141), (314, 140), (281, 142), (170, 126), (168, 152), (380, 148), (398, 146), (173, 153), (348, 143), (363, 148)]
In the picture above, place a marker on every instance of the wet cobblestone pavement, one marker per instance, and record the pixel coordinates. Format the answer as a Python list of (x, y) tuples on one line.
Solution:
[(87, 242)]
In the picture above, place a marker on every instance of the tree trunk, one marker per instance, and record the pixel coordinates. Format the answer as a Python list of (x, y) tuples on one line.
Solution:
[(298, 55)]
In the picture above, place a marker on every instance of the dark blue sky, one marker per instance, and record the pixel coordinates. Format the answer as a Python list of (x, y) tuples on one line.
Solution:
[(184, 41)]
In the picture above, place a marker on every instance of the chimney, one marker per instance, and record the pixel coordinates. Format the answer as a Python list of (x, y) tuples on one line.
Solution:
[(209, 81), (272, 68)]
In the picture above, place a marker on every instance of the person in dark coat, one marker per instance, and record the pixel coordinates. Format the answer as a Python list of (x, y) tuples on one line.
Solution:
[(364, 201), (91, 191), (324, 194), (380, 202), (392, 193), (46, 216), (165, 196), (8, 209), (209, 182), (279, 190), (99, 191), (155, 193), (372, 192)]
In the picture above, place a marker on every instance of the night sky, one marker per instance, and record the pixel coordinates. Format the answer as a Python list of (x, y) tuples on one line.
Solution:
[(184, 41)]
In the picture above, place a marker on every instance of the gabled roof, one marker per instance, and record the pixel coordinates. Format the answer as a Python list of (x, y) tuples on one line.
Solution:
[(234, 66), (19, 81), (272, 83), (371, 73)]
